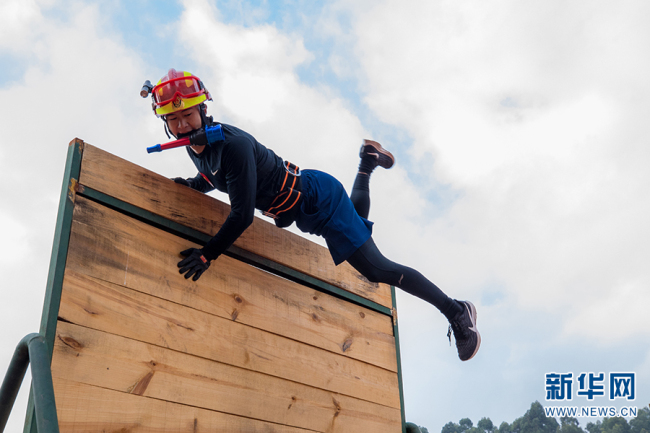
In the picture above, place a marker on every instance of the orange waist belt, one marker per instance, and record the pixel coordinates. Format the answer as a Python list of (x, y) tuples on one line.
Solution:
[(285, 204)]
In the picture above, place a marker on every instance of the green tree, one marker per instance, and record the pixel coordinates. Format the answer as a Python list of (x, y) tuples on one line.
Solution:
[(465, 424), (505, 428), (535, 421), (641, 424), (596, 427), (569, 425), (451, 427), (414, 428), (616, 424), (486, 425)]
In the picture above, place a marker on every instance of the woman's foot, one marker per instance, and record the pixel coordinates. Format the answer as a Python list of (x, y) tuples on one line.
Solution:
[(468, 340), (374, 151)]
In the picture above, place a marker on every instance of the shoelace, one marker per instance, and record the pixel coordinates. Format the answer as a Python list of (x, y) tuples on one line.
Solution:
[(458, 331)]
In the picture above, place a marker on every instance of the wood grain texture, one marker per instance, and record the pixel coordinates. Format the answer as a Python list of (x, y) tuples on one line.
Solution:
[(108, 307), (84, 408), (107, 361), (123, 180), (113, 247)]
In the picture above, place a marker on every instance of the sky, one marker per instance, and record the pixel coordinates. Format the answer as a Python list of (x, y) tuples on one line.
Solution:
[(520, 130)]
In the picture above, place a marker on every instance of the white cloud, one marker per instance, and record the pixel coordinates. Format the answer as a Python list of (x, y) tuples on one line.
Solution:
[(621, 313), (16, 18), (526, 111), (250, 72), (14, 240), (79, 80), (529, 120)]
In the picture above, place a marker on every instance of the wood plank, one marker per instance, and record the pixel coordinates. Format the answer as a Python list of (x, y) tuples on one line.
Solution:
[(111, 308), (83, 408), (126, 181), (108, 361), (113, 247)]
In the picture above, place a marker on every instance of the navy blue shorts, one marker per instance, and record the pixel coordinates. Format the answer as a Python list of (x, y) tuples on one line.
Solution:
[(326, 210)]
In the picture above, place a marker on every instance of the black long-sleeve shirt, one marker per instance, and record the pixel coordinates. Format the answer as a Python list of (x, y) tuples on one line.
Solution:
[(250, 173)]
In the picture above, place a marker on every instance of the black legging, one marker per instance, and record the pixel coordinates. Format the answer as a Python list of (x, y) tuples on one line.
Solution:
[(369, 261)]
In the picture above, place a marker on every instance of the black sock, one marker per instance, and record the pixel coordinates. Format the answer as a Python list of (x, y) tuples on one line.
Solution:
[(453, 309), (360, 195), (368, 164)]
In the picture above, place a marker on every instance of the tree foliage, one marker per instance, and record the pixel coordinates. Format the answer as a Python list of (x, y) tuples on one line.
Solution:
[(486, 425), (569, 425), (641, 424), (596, 427), (451, 427), (615, 424), (536, 421)]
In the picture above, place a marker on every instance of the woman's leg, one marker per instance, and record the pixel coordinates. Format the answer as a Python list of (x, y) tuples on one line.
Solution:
[(369, 261), (361, 194), (372, 155)]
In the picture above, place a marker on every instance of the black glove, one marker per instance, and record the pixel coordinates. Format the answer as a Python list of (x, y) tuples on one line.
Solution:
[(194, 263), (181, 181)]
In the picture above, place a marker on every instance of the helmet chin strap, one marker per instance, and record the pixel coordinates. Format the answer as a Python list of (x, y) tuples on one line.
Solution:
[(205, 121), (167, 128)]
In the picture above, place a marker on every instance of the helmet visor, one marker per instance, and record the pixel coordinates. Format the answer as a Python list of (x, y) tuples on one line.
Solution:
[(184, 87)]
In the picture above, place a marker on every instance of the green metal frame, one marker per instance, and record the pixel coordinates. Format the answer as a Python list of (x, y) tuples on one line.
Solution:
[(71, 188), (57, 262), (399, 359), (31, 349)]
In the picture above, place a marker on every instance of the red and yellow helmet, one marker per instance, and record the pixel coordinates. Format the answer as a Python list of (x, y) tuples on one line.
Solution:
[(177, 91)]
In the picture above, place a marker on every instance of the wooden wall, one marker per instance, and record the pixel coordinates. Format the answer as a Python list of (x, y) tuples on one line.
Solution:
[(140, 349)]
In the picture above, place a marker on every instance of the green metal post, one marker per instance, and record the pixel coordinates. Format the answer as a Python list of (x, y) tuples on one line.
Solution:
[(399, 360), (40, 356), (57, 261), (31, 348), (12, 381), (60, 245)]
